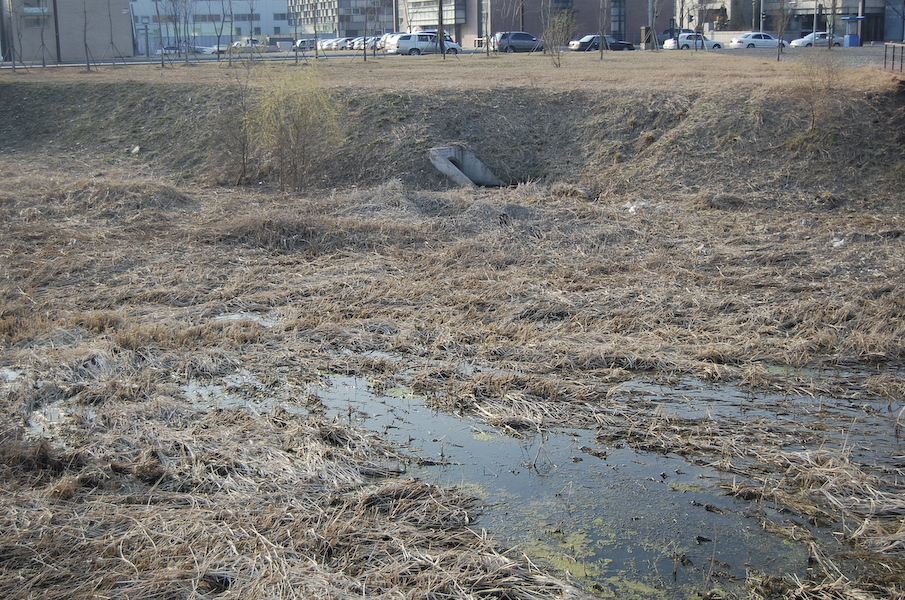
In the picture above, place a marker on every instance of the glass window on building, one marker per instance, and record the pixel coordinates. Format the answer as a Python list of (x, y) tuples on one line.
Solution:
[(618, 19)]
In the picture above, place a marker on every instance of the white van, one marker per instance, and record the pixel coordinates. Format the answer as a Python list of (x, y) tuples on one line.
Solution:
[(421, 42), (304, 45), (247, 43)]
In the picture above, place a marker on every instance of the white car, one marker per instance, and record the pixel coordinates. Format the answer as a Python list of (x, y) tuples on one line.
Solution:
[(248, 43), (382, 42), (422, 42), (691, 40), (338, 44), (303, 45), (221, 49), (755, 39), (822, 39), (671, 33)]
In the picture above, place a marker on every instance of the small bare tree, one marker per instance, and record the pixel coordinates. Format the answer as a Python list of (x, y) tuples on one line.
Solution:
[(831, 24), (781, 17), (160, 26), (558, 28), (441, 34), (85, 35), (43, 21), (187, 15), (603, 24), (218, 23), (14, 10)]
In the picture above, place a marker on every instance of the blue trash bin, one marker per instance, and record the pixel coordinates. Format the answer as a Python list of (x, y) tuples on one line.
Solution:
[(852, 39)]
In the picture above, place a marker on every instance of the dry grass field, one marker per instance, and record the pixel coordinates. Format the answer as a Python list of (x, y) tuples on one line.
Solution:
[(672, 218)]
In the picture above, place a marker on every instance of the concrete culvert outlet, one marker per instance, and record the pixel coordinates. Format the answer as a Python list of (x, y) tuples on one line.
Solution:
[(463, 167)]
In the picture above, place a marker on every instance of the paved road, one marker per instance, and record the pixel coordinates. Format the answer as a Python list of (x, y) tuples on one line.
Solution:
[(854, 56), (857, 56)]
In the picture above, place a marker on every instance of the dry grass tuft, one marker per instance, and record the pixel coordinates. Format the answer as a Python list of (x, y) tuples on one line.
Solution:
[(120, 201)]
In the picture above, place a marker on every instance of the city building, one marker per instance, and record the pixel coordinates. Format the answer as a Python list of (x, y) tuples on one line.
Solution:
[(470, 22), (53, 31), (882, 18), (207, 23)]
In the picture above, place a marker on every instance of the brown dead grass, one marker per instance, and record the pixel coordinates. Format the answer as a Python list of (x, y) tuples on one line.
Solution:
[(620, 71), (634, 265)]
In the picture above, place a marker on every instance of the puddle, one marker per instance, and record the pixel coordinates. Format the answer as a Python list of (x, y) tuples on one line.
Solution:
[(870, 430), (43, 419), (7, 374), (250, 316), (622, 523)]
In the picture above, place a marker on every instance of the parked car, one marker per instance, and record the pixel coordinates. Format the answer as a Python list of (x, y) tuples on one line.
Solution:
[(592, 42), (339, 44), (755, 39), (821, 38), (248, 43), (671, 33), (697, 41), (304, 45), (422, 42), (382, 42), (516, 41), (324, 44), (219, 49), (167, 50)]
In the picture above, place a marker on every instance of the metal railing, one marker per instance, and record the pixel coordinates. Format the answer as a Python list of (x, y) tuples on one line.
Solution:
[(892, 51)]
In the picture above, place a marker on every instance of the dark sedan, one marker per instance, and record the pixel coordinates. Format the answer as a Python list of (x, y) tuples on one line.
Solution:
[(592, 42), (516, 41)]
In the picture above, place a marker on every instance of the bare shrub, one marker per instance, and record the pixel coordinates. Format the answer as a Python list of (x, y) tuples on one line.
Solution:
[(819, 74), (557, 33), (295, 124)]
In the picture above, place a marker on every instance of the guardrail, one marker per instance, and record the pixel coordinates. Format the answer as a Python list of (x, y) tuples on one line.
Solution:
[(890, 53)]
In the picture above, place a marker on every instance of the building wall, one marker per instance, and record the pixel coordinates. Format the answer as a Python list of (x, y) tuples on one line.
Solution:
[(343, 18), (882, 21), (233, 19), (66, 26), (624, 18)]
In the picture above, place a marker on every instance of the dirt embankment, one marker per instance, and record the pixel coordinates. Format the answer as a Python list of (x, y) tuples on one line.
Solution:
[(765, 134)]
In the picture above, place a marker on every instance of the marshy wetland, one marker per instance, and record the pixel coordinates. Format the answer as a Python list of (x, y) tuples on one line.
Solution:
[(666, 362)]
